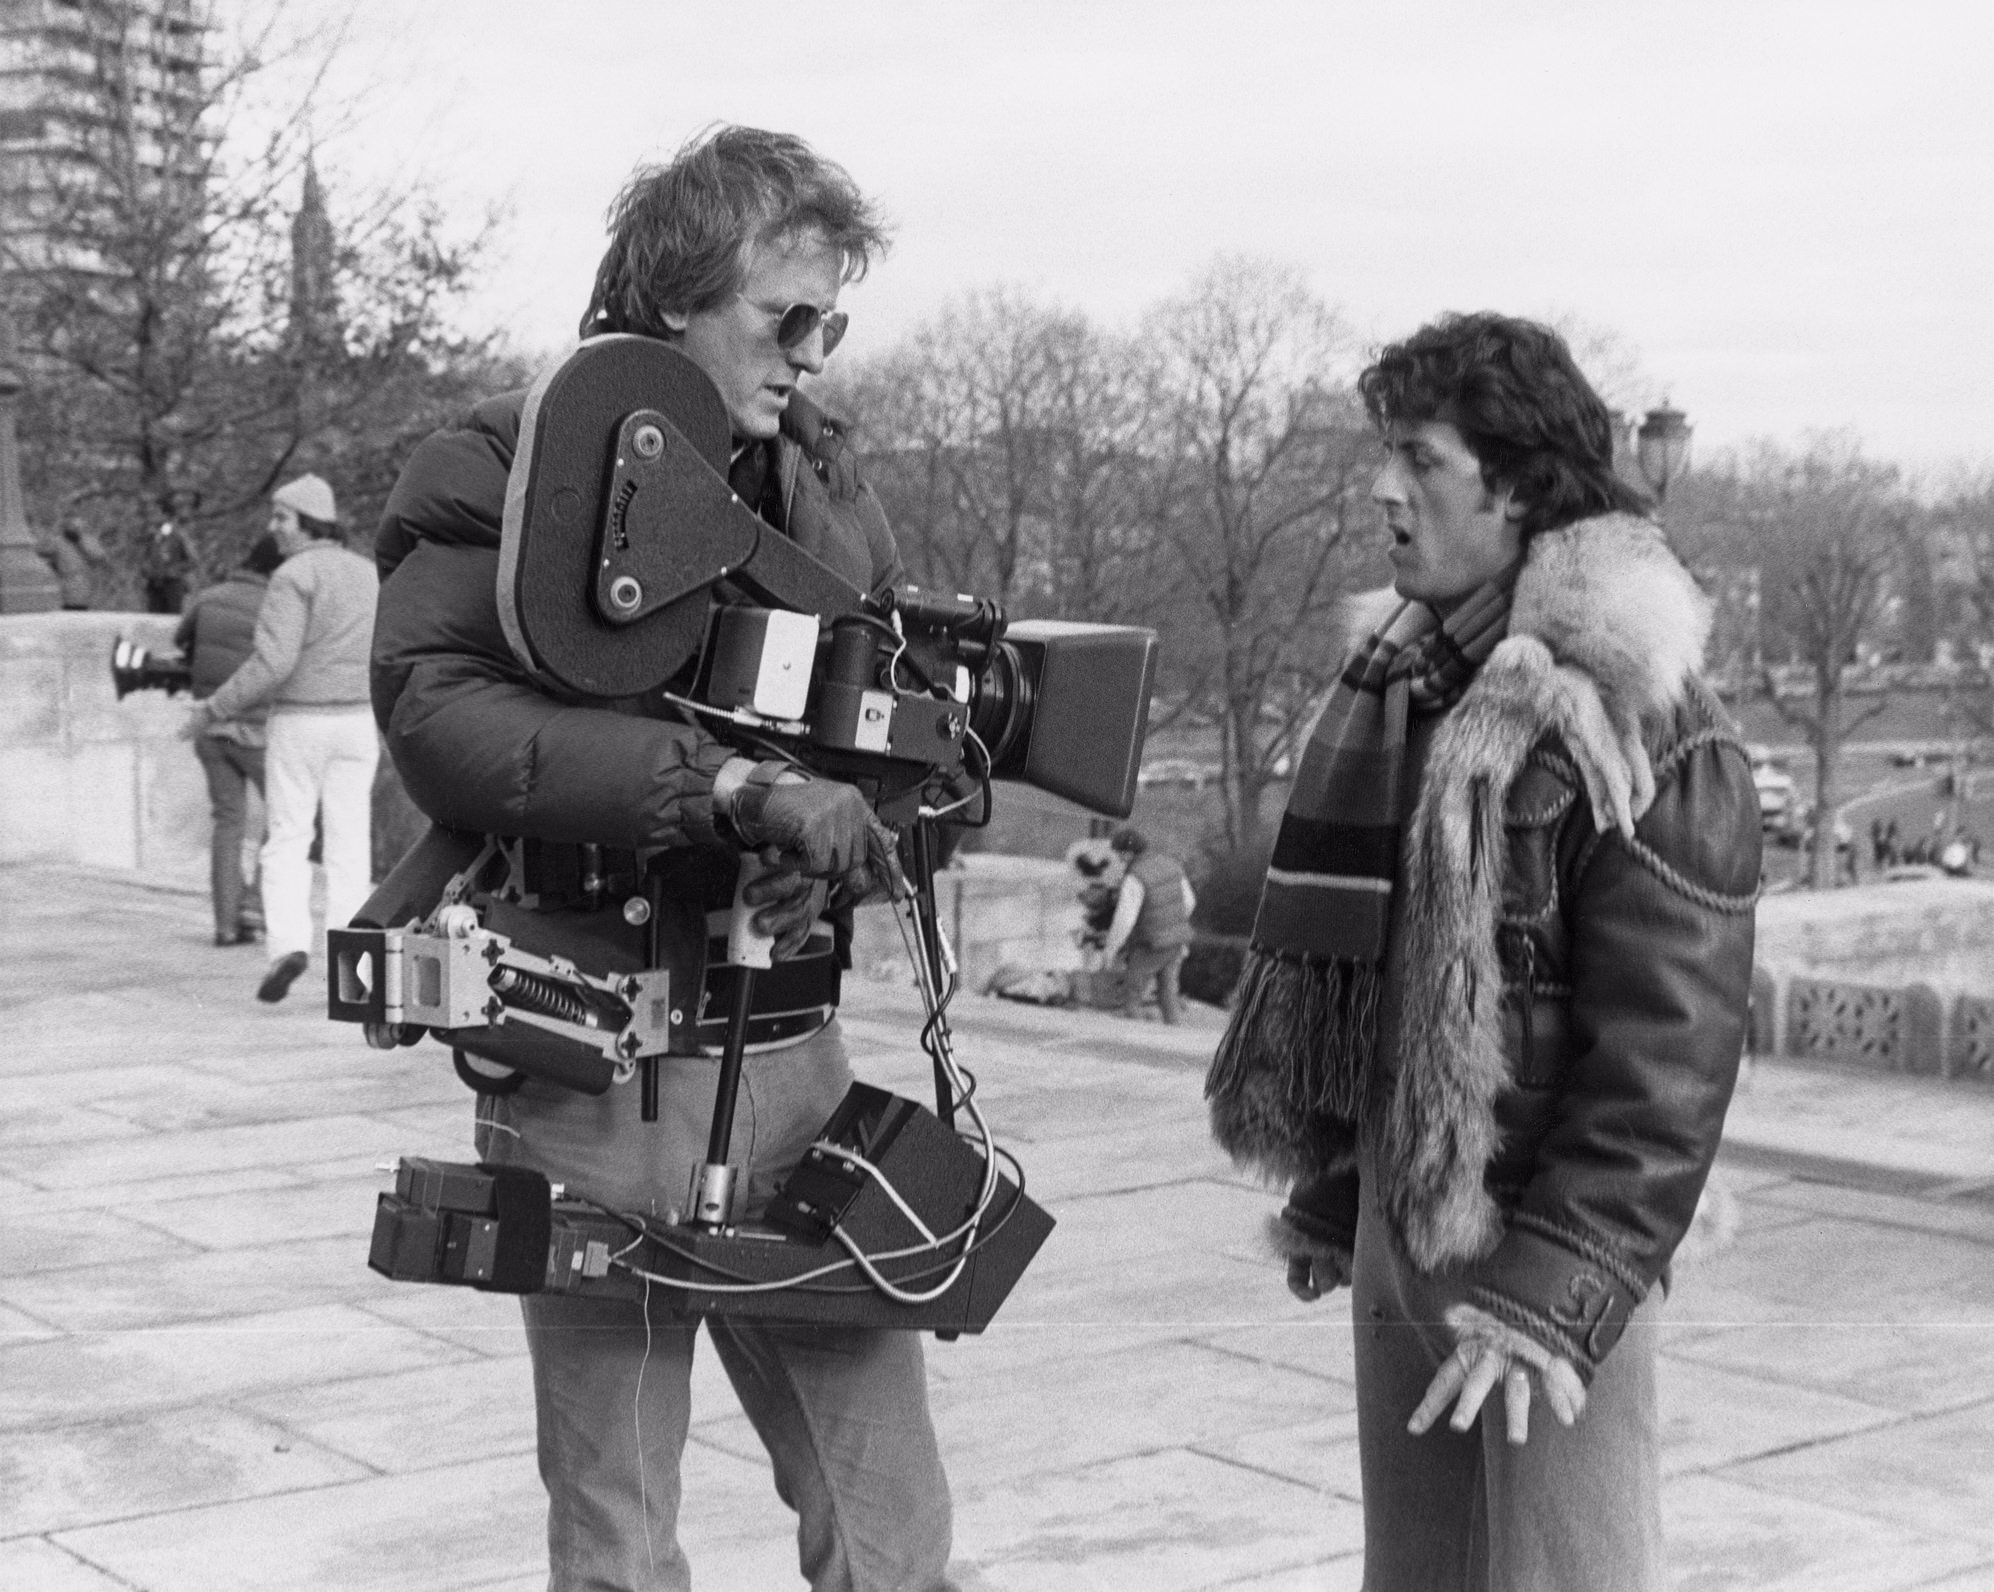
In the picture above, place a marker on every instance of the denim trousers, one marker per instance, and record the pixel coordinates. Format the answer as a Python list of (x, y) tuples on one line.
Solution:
[(231, 768), (317, 762), (1575, 1509), (1145, 965), (843, 1412)]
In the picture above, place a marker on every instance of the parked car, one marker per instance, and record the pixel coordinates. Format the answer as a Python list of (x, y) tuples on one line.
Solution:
[(1184, 771), (1779, 808)]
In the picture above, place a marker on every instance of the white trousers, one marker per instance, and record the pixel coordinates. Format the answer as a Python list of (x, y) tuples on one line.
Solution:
[(317, 762)]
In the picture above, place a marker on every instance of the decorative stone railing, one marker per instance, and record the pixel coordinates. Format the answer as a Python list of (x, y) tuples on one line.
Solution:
[(1893, 976)]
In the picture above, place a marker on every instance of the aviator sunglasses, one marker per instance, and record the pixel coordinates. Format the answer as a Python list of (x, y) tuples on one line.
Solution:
[(800, 320)]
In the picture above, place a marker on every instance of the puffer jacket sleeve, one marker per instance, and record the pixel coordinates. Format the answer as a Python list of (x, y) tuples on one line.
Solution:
[(1661, 943), (479, 744)]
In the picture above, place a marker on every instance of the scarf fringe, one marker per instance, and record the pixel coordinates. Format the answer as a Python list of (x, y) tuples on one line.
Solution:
[(1292, 1077)]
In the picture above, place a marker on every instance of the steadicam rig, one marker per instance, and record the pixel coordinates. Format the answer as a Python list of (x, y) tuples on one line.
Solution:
[(628, 566)]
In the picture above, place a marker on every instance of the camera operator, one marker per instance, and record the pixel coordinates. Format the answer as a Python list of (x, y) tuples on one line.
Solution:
[(735, 252)]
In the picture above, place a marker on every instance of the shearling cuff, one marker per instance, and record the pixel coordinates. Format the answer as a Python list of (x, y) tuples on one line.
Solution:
[(1573, 1304)]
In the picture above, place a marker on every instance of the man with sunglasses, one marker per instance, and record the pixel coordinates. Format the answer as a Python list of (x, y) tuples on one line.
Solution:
[(735, 252)]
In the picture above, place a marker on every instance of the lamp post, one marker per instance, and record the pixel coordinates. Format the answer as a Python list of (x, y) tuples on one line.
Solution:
[(1661, 448)]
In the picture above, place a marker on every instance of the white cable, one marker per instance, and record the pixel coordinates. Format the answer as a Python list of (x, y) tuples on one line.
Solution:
[(853, 1158)]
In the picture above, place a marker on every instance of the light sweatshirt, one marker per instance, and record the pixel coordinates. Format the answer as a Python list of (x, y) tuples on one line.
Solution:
[(313, 638)]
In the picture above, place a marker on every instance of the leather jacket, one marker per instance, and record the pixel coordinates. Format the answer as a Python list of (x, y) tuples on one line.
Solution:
[(1625, 966)]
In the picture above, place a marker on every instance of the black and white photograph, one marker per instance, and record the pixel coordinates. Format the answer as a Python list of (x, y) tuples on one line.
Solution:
[(996, 797)]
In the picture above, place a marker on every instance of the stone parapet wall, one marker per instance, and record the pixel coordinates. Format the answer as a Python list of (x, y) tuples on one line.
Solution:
[(1019, 911), (1939, 930), (1893, 976), (85, 779)]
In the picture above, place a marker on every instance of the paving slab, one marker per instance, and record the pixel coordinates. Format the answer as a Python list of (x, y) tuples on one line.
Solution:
[(1931, 1472), (1904, 1367), (1729, 1536), (1169, 1521), (34, 1565), (202, 1385), (1713, 1418), (97, 1376), (470, 1523), (126, 1469), (187, 1286)]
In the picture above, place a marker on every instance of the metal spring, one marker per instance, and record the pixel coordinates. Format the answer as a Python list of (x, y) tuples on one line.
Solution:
[(538, 993)]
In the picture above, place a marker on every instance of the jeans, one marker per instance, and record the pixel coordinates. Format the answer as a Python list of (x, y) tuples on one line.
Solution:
[(1576, 1509), (1157, 963), (842, 1411), (231, 769), (314, 761)]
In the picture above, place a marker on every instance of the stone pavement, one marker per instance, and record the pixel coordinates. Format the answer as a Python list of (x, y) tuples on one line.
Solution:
[(203, 1387)]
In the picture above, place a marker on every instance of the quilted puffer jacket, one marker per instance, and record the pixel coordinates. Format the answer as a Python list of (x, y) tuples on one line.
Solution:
[(483, 746)]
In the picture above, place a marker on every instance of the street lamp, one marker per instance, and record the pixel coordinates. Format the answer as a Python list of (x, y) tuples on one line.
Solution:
[(1662, 449)]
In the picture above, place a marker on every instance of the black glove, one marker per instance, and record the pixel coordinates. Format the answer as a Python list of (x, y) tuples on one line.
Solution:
[(786, 904), (821, 828)]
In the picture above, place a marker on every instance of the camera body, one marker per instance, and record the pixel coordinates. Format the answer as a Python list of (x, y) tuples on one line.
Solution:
[(624, 557), (136, 668)]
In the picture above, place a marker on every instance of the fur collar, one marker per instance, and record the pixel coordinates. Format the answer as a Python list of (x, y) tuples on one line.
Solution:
[(1606, 633)]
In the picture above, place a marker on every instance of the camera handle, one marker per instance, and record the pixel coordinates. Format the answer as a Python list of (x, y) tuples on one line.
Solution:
[(712, 1193), (920, 850)]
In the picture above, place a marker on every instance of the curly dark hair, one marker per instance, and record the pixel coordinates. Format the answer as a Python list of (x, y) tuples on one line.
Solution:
[(1520, 402), (679, 234)]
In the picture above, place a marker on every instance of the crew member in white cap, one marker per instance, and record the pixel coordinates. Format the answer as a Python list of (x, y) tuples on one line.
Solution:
[(309, 662)]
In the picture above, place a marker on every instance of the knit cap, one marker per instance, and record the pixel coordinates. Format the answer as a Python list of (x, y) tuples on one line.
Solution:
[(310, 496)]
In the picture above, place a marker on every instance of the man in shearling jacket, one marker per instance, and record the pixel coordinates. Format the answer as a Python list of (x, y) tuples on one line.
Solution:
[(1493, 1013), (734, 252)]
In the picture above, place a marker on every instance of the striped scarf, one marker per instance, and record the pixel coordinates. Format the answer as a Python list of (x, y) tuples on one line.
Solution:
[(1305, 1014)]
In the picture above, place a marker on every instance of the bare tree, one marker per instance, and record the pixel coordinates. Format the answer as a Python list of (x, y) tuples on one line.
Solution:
[(1826, 525), (1006, 439), (1267, 458), (189, 349)]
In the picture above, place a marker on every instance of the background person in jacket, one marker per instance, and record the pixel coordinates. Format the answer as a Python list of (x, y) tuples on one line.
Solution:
[(735, 253), (216, 636), (1151, 929), (1493, 1011), (80, 563), (309, 663)]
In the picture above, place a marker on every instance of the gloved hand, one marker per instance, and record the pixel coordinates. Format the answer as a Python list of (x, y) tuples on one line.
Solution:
[(787, 903), (1312, 1276), (820, 828)]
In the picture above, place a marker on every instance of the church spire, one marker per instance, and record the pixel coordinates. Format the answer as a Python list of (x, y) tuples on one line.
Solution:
[(314, 303)]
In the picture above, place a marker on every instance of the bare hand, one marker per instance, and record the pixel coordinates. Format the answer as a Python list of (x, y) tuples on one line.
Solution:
[(1470, 1374)]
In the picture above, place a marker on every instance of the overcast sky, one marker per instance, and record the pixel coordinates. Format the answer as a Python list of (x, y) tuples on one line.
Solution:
[(1786, 209)]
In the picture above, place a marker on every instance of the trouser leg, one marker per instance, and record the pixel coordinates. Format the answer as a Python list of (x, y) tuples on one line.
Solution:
[(256, 825), (613, 1404), (291, 785), (1580, 1506), (844, 1415), (1169, 1001), (1574, 1509), (228, 800), (1424, 1526), (1142, 965), (348, 784)]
